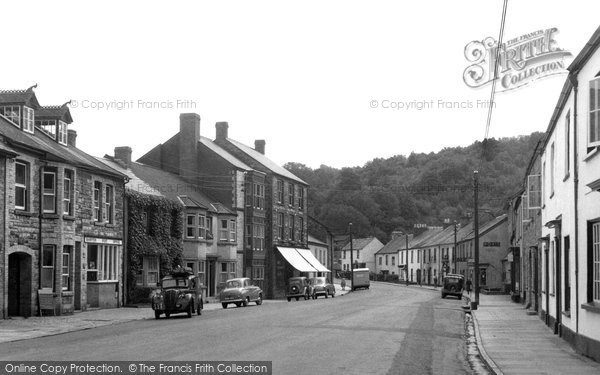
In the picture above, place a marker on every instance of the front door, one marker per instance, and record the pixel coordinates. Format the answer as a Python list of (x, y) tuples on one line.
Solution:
[(19, 284), (211, 277)]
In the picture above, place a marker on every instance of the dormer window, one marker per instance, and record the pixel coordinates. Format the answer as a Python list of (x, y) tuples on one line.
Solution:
[(62, 133), (13, 113), (28, 119), (48, 127)]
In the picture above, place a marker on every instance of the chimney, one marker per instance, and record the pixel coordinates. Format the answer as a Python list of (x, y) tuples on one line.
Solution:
[(189, 136), (71, 137), (259, 145), (123, 155), (222, 129), (395, 234)]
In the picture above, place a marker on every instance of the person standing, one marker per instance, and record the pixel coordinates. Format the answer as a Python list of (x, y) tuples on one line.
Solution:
[(469, 286), (343, 284)]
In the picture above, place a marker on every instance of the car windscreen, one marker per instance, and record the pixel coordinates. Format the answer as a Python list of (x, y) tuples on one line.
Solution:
[(234, 284), (175, 283), (319, 281)]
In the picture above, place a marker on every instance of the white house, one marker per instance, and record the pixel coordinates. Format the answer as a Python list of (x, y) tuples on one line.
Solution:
[(570, 285), (363, 253)]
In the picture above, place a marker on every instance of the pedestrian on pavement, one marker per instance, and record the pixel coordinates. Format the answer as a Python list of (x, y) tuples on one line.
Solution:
[(469, 286), (343, 283)]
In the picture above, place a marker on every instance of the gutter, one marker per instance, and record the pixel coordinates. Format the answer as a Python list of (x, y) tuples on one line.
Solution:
[(573, 78)]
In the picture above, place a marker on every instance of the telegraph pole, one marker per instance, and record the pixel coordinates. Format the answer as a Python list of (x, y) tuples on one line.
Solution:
[(455, 251), (476, 227), (351, 258), (406, 263)]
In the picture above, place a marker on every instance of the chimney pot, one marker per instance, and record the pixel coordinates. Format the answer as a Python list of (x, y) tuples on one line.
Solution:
[(123, 154), (222, 129), (71, 138), (259, 145)]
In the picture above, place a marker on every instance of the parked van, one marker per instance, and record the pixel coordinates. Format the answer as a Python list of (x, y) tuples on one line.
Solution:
[(360, 278)]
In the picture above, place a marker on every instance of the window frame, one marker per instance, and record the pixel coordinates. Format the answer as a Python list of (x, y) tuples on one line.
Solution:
[(49, 192), (66, 284), (28, 119), (223, 230), (280, 191), (301, 198), (109, 203), (11, 116), (594, 262), (191, 226), (202, 226), (594, 113), (232, 230), (291, 194), (45, 268), (567, 144), (24, 186), (43, 126), (68, 193), (97, 201), (62, 132)]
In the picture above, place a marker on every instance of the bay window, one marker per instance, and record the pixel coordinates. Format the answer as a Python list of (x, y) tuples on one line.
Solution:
[(48, 127), (223, 230), (190, 231), (232, 231), (201, 226)]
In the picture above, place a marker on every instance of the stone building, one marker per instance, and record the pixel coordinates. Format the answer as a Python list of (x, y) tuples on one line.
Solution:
[(62, 222)]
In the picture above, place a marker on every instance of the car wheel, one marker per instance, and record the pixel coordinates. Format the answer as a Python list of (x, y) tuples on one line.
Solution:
[(259, 300), (167, 315), (156, 314), (326, 296), (289, 299), (199, 308), (224, 305), (238, 304), (297, 298), (333, 294), (245, 301), (443, 296), (189, 309)]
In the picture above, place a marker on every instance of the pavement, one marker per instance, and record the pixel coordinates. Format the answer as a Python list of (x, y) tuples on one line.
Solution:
[(512, 342), (18, 328)]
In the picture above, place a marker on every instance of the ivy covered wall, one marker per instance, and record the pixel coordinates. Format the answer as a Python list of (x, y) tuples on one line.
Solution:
[(155, 228)]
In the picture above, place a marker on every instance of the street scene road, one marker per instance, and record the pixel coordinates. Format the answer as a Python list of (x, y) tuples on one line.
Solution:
[(388, 329)]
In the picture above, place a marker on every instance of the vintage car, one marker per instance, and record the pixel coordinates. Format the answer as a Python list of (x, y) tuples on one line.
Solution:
[(319, 286), (453, 285), (240, 292), (179, 293), (298, 287)]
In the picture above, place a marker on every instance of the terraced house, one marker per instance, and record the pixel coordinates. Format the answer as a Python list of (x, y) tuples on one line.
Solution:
[(269, 201), (62, 214)]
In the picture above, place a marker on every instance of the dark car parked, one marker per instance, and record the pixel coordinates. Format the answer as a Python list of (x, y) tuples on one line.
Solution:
[(319, 286), (298, 287), (453, 285), (179, 293)]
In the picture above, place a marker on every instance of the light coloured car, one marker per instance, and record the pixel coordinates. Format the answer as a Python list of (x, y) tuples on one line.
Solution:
[(240, 292), (319, 286)]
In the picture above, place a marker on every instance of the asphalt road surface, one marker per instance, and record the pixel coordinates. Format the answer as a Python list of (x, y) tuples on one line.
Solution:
[(388, 329)]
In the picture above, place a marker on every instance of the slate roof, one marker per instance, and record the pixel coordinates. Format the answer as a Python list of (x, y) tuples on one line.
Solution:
[(488, 226), (40, 143), (135, 183), (314, 240), (359, 243), (60, 111), (265, 161), (20, 96), (175, 188), (224, 154)]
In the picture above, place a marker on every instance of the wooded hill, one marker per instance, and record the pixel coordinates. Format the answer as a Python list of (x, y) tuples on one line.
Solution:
[(399, 192)]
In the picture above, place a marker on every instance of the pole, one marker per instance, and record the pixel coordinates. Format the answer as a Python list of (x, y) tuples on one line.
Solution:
[(476, 225), (406, 263), (351, 259), (455, 249)]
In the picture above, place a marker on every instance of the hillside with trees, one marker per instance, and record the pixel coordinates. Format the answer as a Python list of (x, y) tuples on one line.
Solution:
[(401, 191)]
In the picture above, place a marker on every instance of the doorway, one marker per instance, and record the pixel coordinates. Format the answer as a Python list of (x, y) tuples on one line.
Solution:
[(211, 277), (19, 284)]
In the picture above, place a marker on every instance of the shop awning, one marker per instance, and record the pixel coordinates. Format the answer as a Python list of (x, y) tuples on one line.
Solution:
[(295, 259), (310, 258)]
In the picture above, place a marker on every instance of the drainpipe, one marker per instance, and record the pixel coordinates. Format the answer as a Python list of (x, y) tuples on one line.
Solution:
[(5, 258), (40, 214), (574, 81)]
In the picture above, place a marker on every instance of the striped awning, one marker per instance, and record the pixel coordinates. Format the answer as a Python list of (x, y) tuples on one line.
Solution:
[(310, 258), (295, 259)]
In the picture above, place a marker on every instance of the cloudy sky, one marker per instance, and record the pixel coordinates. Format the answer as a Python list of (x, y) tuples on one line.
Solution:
[(304, 76)]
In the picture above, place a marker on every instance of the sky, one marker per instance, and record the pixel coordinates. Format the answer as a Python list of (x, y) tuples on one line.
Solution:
[(314, 79)]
